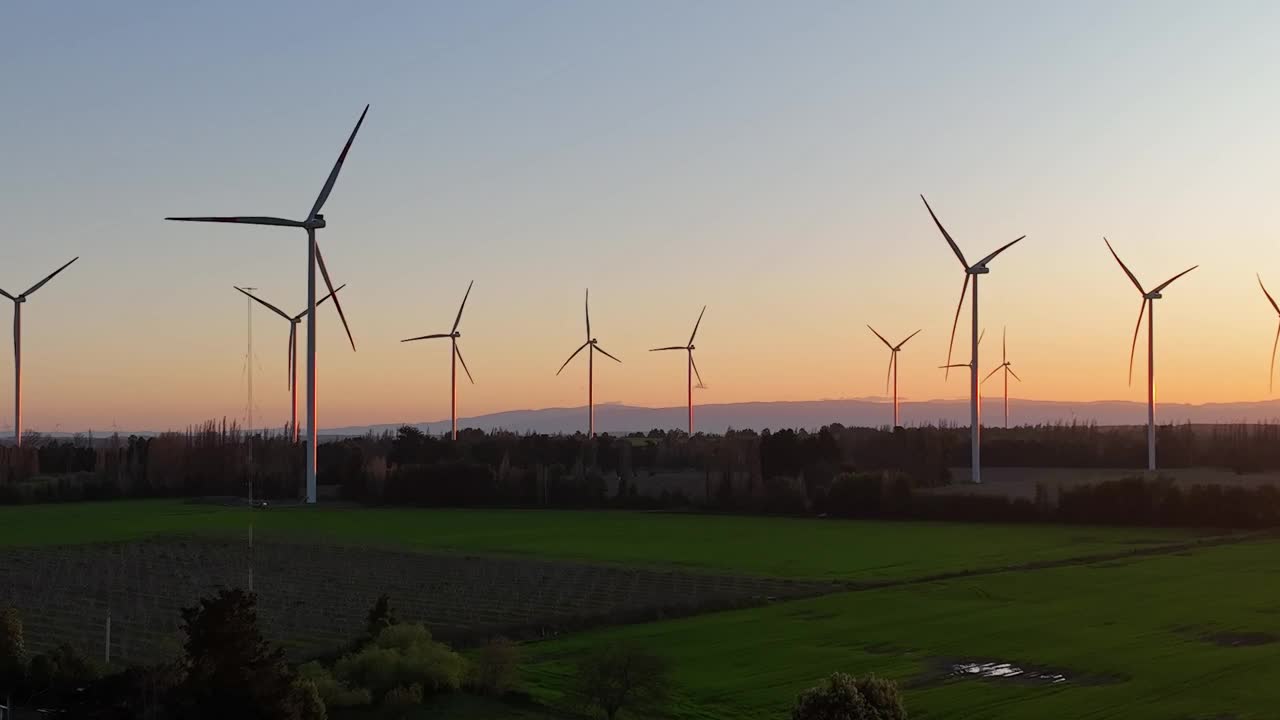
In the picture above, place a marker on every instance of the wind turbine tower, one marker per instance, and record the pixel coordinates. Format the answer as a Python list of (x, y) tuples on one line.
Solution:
[(18, 302)]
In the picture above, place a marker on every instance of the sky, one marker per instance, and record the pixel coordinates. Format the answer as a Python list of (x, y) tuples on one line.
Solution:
[(763, 159)]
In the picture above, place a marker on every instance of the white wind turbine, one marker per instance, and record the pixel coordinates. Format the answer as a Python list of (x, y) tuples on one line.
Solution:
[(893, 367), (314, 221), (292, 365), (1271, 376), (692, 366), (1149, 308), (1007, 367), (456, 357), (970, 271), (18, 302), (594, 346)]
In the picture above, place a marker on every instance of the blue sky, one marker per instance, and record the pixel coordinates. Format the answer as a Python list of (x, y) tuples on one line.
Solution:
[(762, 158)]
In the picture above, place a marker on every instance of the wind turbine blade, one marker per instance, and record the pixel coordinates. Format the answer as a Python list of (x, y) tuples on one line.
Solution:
[(1014, 374), (1124, 267), (954, 323), (337, 167), (1271, 381), (904, 342), (266, 304), (288, 370), (886, 342), (695, 370), (242, 219), (1133, 347), (326, 297), (334, 293), (1264, 292), (49, 277), (955, 248), (993, 372), (428, 337), (586, 305), (1166, 283), (575, 354), (2, 292), (983, 262), (464, 364), (464, 304), (606, 353), (964, 365), (889, 373), (1004, 345), (673, 347), (695, 325), (982, 335)]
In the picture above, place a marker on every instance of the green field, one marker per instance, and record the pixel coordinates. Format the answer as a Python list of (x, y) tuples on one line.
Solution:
[(1140, 630), (783, 547)]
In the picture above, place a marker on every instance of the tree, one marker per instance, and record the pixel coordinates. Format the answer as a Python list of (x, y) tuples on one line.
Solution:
[(617, 676), (844, 697), (231, 671), (496, 667), (380, 617)]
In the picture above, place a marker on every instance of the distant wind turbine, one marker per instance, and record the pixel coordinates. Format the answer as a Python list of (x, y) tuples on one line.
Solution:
[(693, 367), (970, 271), (314, 221), (292, 365), (1149, 307), (893, 367), (1271, 376), (594, 346), (1007, 367), (455, 358), (18, 302)]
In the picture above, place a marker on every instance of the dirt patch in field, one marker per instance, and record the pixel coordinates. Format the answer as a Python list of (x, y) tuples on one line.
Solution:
[(1240, 639), (943, 670), (313, 598)]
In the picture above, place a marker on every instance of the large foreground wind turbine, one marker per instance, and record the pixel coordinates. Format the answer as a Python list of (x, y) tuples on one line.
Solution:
[(1007, 367), (1271, 376), (1149, 308), (594, 346), (455, 358), (893, 367), (292, 365), (970, 271), (18, 302), (693, 367), (314, 221)]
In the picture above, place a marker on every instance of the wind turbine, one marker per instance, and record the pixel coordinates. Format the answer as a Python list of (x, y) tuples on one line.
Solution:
[(1272, 375), (1149, 307), (314, 221), (1007, 367), (18, 302), (456, 357), (970, 271), (292, 365), (893, 367), (594, 346), (693, 367)]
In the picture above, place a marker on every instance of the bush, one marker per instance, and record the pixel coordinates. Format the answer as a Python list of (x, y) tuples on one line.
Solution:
[(496, 667), (844, 697), (333, 692), (401, 656), (13, 649), (402, 696)]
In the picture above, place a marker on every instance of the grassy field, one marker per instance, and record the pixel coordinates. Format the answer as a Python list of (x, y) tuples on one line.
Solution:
[(1143, 638), (783, 547)]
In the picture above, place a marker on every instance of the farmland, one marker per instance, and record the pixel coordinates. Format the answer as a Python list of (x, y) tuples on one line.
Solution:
[(762, 546), (1189, 635)]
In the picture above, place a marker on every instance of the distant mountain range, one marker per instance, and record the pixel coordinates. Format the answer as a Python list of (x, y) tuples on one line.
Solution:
[(618, 418)]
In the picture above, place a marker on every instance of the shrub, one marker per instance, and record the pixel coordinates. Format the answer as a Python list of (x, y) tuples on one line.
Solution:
[(401, 696), (844, 697), (496, 667), (13, 649), (333, 692), (401, 655)]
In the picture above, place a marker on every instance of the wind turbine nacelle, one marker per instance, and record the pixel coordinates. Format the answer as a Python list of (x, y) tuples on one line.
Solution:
[(1154, 296), (316, 222), (979, 270)]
